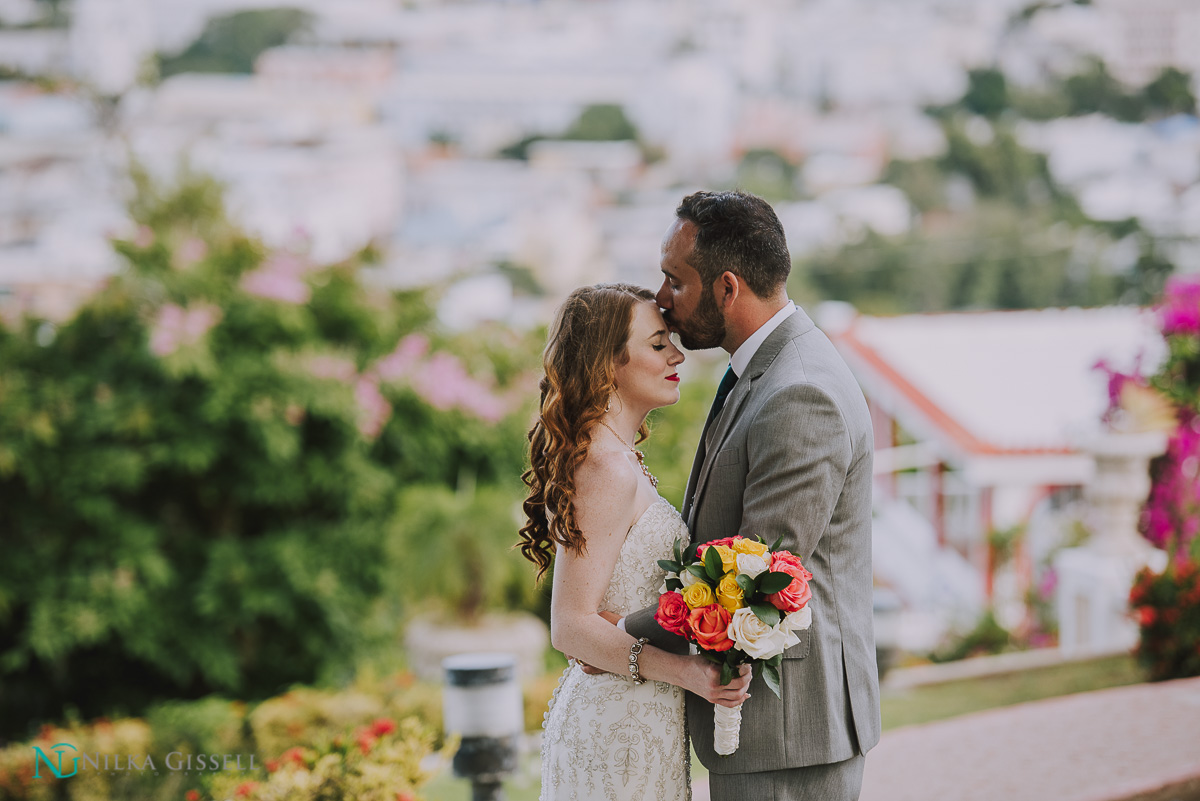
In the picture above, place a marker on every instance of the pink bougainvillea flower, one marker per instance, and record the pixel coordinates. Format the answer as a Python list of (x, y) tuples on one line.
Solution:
[(335, 367), (1171, 516), (281, 277), (176, 327), (190, 252), (444, 383), (373, 408), (404, 359), (1179, 312)]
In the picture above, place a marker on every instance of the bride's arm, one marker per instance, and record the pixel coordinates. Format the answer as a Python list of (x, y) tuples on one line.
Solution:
[(606, 493)]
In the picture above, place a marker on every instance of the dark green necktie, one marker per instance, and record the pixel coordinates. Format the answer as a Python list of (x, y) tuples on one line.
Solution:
[(723, 389)]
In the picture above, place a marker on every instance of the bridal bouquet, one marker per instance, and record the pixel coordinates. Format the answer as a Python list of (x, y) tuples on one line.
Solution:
[(739, 602)]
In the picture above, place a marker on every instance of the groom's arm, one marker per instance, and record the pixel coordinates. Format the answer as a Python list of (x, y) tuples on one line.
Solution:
[(642, 624), (799, 454)]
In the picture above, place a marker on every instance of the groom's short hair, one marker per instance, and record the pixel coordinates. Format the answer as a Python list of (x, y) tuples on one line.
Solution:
[(738, 232)]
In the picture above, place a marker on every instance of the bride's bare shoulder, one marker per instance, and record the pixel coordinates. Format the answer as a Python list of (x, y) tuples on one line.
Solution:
[(607, 478)]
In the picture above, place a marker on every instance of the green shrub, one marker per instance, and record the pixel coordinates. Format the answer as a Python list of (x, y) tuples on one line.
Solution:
[(201, 470)]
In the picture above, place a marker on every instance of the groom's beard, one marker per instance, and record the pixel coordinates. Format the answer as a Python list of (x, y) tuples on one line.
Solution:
[(704, 329)]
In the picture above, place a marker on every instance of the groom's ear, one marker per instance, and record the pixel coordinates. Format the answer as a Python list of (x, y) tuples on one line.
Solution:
[(726, 289)]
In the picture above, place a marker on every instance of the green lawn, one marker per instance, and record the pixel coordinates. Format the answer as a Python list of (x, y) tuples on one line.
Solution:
[(900, 708), (951, 699)]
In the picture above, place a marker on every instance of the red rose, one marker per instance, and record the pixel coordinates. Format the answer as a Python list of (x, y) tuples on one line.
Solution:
[(192, 795), (727, 542), (383, 726), (709, 625), (1147, 616), (795, 595), (672, 613)]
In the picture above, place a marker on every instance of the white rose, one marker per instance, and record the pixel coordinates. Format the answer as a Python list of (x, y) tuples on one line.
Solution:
[(749, 564), (798, 620), (757, 639), (688, 578)]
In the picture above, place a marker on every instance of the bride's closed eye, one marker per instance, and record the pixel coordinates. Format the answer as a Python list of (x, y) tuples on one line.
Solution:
[(658, 347)]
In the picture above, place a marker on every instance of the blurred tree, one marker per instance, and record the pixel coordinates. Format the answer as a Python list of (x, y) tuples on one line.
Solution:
[(1095, 90), (200, 471), (987, 93), (520, 148), (994, 257), (602, 123), (1170, 93), (232, 42), (767, 173)]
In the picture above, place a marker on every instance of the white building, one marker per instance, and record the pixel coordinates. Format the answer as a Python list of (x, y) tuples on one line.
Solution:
[(979, 416)]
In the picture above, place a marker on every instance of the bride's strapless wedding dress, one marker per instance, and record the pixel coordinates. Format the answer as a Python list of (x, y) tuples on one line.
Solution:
[(606, 739)]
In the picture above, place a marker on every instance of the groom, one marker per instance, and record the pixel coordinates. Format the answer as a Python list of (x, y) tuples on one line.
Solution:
[(787, 450)]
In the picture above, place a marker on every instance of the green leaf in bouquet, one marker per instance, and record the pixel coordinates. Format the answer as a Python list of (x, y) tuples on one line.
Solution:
[(746, 583), (771, 677), (698, 571), (726, 673), (713, 564), (766, 613), (678, 551), (669, 566), (776, 660), (674, 584), (689, 552), (778, 542), (773, 582)]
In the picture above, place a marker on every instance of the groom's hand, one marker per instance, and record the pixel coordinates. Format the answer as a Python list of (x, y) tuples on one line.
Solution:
[(705, 681)]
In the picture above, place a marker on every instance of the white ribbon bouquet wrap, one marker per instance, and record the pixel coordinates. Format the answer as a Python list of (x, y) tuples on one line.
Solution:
[(739, 602)]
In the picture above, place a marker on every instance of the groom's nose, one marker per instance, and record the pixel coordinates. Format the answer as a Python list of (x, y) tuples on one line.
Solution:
[(663, 298)]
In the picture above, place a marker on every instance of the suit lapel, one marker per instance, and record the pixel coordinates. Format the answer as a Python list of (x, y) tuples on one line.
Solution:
[(714, 436)]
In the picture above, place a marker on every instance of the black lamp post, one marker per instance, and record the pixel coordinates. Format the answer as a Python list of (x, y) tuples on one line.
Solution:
[(482, 704)]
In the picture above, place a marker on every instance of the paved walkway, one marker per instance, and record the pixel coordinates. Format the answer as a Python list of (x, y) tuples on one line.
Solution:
[(1140, 742), (1111, 745)]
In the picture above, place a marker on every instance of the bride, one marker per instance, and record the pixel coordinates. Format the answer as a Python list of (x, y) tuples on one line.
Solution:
[(594, 512)]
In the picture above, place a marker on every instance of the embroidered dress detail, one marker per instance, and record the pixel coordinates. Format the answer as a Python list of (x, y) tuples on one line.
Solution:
[(607, 739)]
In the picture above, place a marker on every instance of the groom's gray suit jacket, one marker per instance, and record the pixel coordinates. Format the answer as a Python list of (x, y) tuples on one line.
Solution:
[(791, 454)]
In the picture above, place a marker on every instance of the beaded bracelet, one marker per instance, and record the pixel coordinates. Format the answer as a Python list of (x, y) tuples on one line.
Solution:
[(634, 650)]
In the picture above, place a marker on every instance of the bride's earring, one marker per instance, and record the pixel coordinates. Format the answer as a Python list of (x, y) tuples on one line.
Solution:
[(608, 404)]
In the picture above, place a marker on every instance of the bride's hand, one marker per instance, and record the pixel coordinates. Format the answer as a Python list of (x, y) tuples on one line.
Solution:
[(706, 683)]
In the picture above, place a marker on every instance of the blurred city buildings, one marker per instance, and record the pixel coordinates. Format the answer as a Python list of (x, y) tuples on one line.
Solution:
[(440, 133)]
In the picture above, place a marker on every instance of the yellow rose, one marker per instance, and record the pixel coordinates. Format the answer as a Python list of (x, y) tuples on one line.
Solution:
[(749, 547), (729, 594), (728, 558), (698, 596)]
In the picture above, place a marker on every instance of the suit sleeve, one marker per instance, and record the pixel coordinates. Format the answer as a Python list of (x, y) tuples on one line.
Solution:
[(798, 454), (642, 624)]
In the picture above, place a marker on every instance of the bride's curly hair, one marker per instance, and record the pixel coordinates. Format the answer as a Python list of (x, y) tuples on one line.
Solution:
[(588, 342)]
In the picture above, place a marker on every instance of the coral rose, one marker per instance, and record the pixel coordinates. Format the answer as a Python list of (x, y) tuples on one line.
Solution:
[(795, 595), (672, 613), (710, 627)]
